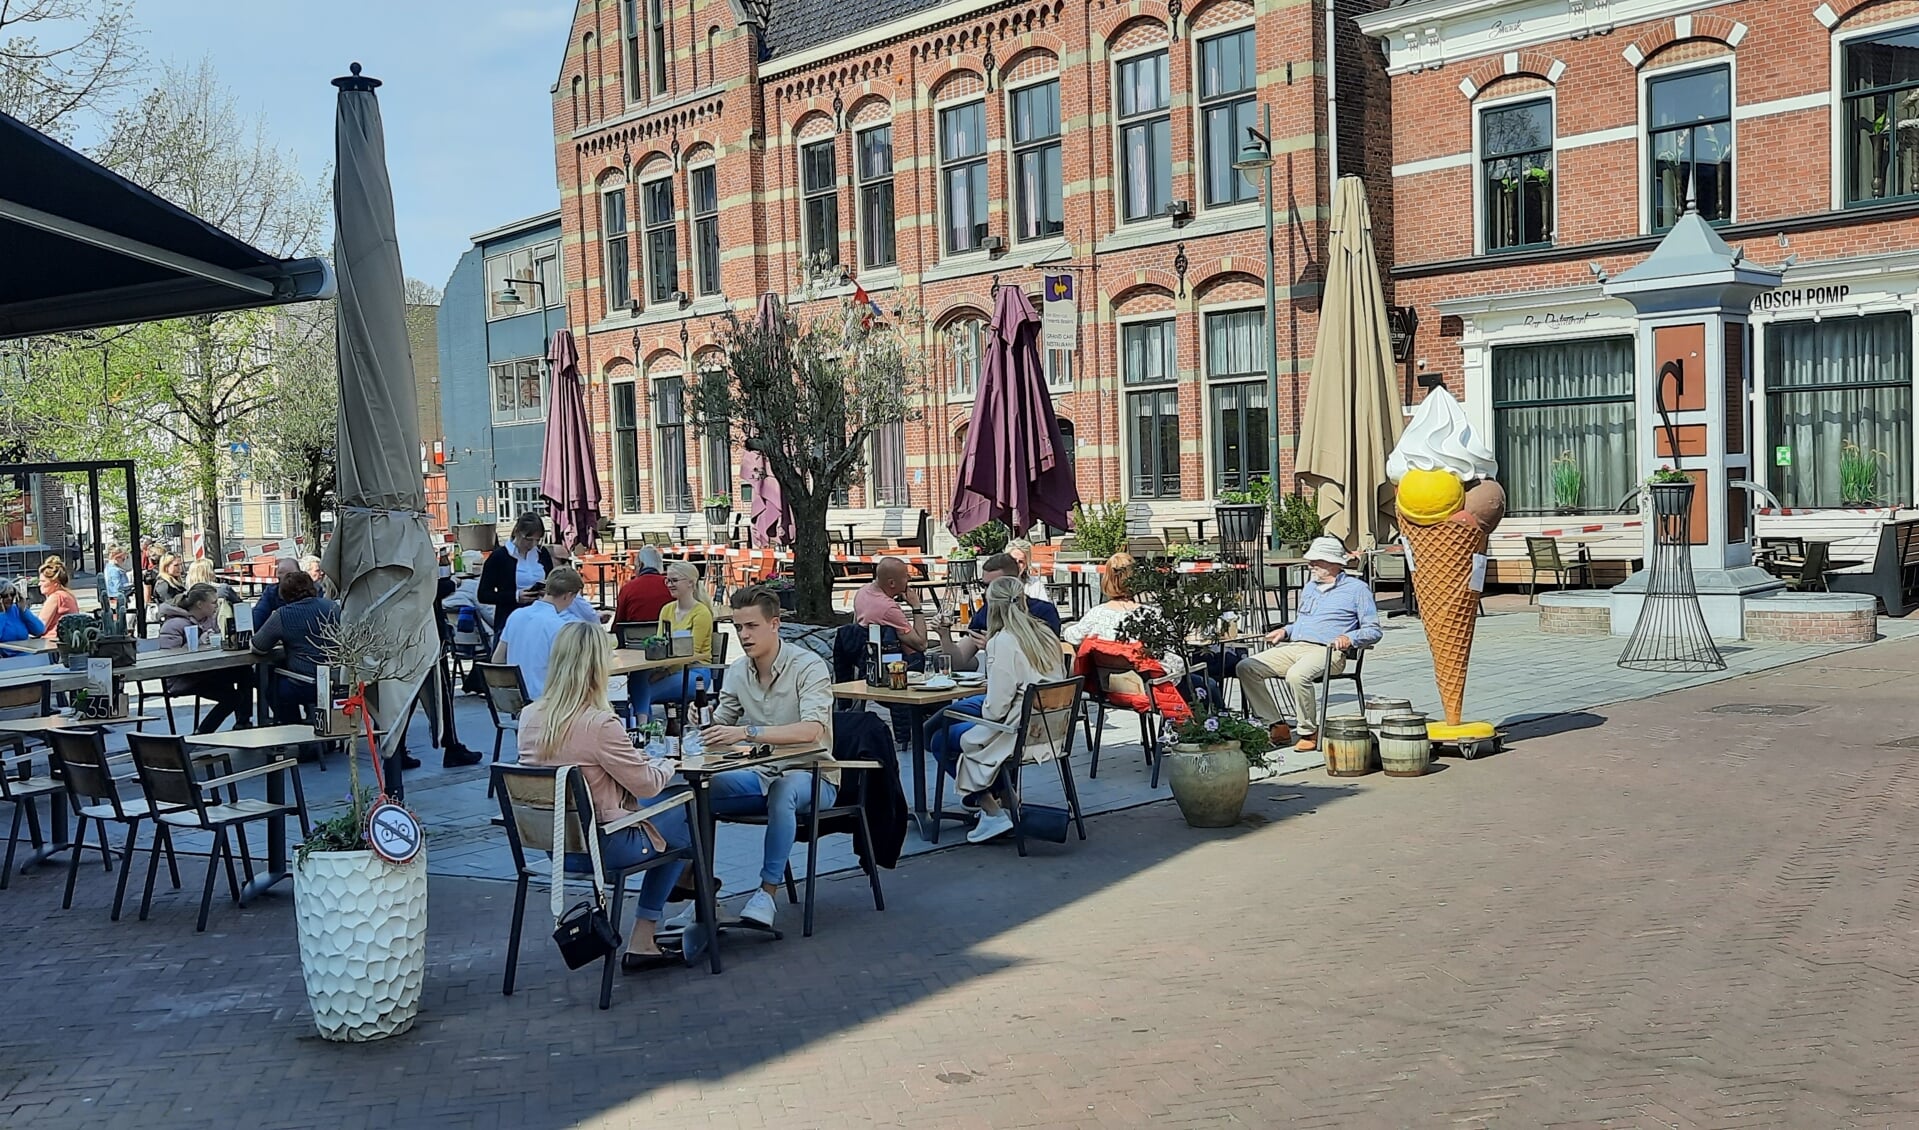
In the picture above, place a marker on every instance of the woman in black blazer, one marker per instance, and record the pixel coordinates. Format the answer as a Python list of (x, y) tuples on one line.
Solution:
[(501, 584)]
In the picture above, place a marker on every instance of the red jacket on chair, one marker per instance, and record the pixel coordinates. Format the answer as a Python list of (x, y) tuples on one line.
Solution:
[(1097, 654)]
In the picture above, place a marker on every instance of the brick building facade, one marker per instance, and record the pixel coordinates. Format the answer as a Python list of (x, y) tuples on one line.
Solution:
[(1541, 145), (708, 153)]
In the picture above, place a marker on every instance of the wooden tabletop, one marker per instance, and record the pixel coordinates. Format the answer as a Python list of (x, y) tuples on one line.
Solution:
[(261, 737), (38, 645), (742, 757), (66, 722), (627, 660), (60, 678), (180, 661), (911, 696)]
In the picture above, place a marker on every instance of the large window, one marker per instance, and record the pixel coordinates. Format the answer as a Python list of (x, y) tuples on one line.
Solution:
[(273, 522), (616, 273), (819, 186), (963, 175), (888, 477), (517, 497), (1565, 403), (233, 521), (1881, 123), (1516, 174), (704, 199), (630, 51), (1038, 184), (669, 444), (1236, 395), (1689, 134), (1227, 76), (875, 150), (540, 263), (656, 44), (1839, 402), (966, 352), (1152, 414), (716, 444), (1145, 136), (626, 447), (662, 242), (519, 391)]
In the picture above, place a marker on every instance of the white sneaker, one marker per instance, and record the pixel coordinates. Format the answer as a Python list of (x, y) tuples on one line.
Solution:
[(684, 918), (760, 908), (990, 826)]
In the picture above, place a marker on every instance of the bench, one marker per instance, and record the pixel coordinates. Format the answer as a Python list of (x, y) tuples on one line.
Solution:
[(873, 528), (1893, 577)]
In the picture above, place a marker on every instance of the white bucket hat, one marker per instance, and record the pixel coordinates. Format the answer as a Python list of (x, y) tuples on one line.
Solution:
[(1327, 548)]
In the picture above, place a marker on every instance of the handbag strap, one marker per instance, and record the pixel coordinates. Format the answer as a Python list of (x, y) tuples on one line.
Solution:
[(556, 897)]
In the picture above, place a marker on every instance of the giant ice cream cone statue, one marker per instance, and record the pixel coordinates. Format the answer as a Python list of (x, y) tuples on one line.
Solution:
[(1448, 504)]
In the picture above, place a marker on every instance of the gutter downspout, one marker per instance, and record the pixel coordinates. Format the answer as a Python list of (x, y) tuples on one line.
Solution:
[(1332, 103)]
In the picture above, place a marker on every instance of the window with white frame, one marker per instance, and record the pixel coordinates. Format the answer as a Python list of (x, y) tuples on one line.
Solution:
[(1879, 131), (1150, 370), (963, 175), (615, 270), (234, 520), (519, 391), (716, 443), (662, 241), (656, 44), (1238, 412), (669, 444), (517, 497), (539, 263), (820, 194), (1228, 74), (1516, 174), (1039, 187), (1689, 144), (965, 352), (626, 446), (273, 521), (888, 465), (704, 198), (1839, 399), (1145, 136), (1563, 424), (630, 51), (874, 149)]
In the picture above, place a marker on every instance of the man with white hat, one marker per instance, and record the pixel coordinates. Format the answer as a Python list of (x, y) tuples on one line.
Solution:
[(1335, 607)]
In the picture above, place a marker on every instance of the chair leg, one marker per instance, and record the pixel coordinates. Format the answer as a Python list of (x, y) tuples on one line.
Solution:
[(73, 859), (106, 849), (127, 852), (792, 892), (153, 867), (613, 958), (513, 938), (707, 914), (233, 880), (1013, 806), (246, 854), (173, 861), (1071, 788), (1153, 754), (206, 888), (939, 798), (872, 864), (13, 839), (1093, 739), (499, 735), (812, 862)]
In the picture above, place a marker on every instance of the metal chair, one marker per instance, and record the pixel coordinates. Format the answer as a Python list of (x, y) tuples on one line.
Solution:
[(19, 785), (182, 800), (527, 797), (505, 697), (1177, 535), (94, 793), (1812, 569), (1543, 553), (1047, 714), (1111, 675), (849, 816)]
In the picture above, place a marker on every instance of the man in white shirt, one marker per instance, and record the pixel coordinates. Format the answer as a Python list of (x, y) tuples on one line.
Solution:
[(527, 641)]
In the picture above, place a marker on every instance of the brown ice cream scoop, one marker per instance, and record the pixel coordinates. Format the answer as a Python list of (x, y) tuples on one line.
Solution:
[(1486, 501)]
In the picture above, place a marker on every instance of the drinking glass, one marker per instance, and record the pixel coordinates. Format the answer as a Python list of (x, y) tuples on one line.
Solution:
[(939, 665)]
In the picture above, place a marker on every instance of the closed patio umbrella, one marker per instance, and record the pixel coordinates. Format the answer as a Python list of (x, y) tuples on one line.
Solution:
[(1014, 465), (568, 480), (1353, 415), (381, 555)]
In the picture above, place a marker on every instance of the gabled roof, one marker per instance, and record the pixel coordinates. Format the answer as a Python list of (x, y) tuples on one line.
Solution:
[(796, 25)]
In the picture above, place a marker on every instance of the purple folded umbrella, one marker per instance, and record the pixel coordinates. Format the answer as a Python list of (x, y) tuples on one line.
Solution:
[(772, 517), (568, 480), (1014, 466)]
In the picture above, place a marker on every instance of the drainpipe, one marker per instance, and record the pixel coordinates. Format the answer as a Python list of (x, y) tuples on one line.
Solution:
[(1332, 103)]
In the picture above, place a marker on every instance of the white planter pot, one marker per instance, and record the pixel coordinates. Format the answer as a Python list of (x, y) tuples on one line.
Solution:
[(362, 926)]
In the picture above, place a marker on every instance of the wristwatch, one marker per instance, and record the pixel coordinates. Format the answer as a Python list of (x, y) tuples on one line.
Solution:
[(752, 733)]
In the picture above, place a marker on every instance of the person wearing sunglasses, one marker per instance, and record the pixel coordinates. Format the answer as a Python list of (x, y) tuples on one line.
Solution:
[(17, 621)]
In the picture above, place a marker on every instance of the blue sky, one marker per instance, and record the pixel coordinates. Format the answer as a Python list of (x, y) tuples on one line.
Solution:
[(466, 104)]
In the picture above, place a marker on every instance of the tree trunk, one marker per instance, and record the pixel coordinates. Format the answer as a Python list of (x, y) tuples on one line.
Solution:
[(206, 479), (812, 580)]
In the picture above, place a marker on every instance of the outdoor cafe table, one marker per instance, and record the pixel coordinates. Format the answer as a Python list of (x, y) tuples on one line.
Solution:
[(916, 699), (172, 663), (37, 645), (633, 661), (267, 740)]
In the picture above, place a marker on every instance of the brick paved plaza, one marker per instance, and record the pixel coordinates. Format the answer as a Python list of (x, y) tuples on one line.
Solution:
[(1659, 915)]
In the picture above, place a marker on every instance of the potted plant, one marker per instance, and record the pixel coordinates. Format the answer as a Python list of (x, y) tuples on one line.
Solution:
[(1858, 475), (477, 533), (75, 636), (1099, 531), (781, 586), (962, 565), (1569, 482), (1296, 522), (719, 508), (1670, 491), (1242, 513), (361, 920), (1210, 765), (1184, 551)]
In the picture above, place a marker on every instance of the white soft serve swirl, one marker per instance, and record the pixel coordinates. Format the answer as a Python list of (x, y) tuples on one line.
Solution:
[(1438, 438)]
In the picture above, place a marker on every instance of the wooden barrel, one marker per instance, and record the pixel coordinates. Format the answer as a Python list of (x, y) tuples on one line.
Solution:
[(1404, 748), (1348, 745), (1378, 709)]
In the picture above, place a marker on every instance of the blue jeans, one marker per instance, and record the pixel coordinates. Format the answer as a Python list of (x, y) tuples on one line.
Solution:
[(630, 847), (740, 792), (943, 733), (645, 690)]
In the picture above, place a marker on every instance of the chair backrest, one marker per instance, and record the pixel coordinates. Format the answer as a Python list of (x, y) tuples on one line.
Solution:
[(1544, 553), (25, 700), (505, 688), (634, 633), (166, 769), (1048, 714), (83, 760), (526, 808), (1177, 535), (1112, 674), (1818, 555)]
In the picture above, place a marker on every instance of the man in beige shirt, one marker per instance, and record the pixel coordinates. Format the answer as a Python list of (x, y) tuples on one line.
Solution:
[(777, 694)]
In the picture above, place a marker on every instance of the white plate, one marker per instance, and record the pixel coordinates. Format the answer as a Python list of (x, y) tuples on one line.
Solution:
[(938, 685)]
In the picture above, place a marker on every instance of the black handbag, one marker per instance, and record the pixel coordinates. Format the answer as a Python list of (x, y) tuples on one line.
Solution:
[(585, 932)]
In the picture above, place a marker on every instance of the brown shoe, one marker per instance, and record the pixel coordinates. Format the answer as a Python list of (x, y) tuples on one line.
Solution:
[(1305, 745), (1281, 734)]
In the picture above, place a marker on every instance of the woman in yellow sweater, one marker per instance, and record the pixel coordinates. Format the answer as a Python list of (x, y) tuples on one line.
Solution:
[(689, 612)]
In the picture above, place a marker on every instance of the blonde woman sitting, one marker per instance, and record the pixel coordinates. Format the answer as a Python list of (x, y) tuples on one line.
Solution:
[(1020, 651), (571, 723), (688, 612)]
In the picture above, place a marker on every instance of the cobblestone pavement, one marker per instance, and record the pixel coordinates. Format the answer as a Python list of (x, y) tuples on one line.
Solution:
[(1674, 912)]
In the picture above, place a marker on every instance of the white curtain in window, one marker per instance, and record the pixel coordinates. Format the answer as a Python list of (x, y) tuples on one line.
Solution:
[(1832, 383), (1569, 398)]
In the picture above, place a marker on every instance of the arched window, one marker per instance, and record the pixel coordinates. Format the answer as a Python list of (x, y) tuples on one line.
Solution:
[(966, 351)]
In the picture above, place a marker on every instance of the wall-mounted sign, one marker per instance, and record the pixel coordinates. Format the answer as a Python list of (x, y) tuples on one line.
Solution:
[(1561, 318), (1059, 318), (1802, 297), (1782, 456)]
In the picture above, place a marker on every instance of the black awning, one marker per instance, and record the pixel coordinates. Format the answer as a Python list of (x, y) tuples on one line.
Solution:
[(82, 247)]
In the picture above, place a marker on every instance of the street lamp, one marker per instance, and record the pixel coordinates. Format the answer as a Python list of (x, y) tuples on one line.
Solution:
[(1257, 154), (510, 298)]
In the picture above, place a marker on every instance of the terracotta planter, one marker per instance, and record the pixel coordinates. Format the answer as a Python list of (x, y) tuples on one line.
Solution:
[(1208, 782), (362, 928)]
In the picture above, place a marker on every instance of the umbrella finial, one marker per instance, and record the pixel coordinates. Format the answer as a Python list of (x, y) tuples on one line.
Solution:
[(356, 81)]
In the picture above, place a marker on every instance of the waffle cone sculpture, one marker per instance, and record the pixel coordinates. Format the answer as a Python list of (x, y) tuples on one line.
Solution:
[(1449, 606)]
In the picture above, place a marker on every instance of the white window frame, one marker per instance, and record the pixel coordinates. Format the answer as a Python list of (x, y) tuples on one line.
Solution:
[(1642, 137), (632, 72), (1199, 115), (939, 173), (657, 62), (512, 498), (1013, 151), (952, 389), (273, 515), (860, 184), (831, 143), (622, 488), (698, 249), (549, 292), (1479, 108), (233, 506), (1836, 79), (1117, 132), (702, 367), (669, 505), (1208, 464), (1125, 417), (609, 186), (519, 414), (647, 228)]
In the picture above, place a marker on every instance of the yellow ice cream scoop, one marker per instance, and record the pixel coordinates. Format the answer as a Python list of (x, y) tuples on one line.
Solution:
[(1428, 497)]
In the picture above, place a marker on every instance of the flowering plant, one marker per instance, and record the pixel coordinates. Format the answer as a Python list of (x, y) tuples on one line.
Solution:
[(1210, 726), (1667, 474)]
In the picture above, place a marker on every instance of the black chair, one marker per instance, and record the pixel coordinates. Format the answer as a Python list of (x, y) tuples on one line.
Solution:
[(527, 797), (1355, 673), (1544, 555), (1812, 569), (19, 785), (94, 792), (182, 800), (505, 697), (1112, 675), (1047, 714)]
